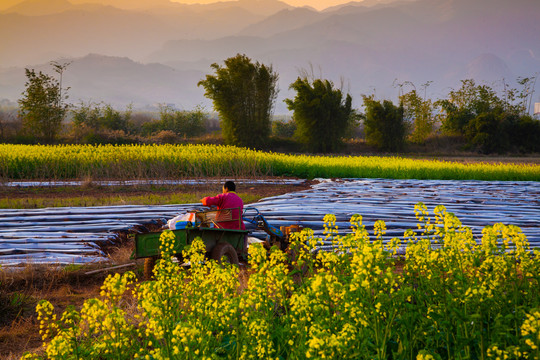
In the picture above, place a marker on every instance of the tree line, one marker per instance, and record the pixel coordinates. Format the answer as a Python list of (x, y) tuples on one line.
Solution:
[(244, 92)]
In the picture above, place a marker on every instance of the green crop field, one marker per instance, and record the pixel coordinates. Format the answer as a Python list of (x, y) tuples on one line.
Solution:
[(66, 162)]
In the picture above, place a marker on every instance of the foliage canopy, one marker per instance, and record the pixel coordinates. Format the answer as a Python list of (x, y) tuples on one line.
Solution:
[(243, 94), (489, 122), (419, 113), (181, 123), (322, 114), (99, 117), (42, 106), (384, 124), (101, 124)]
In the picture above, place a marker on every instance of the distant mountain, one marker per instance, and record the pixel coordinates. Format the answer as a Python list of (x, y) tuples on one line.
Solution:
[(259, 7), (218, 49), (116, 81), (6, 4), (50, 7), (190, 23), (370, 47), (443, 41), (42, 30), (489, 68), (363, 4), (126, 4), (284, 20), (82, 29), (106, 30), (40, 7)]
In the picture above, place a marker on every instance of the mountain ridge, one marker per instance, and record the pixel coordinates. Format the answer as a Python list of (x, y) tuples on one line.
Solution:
[(443, 41)]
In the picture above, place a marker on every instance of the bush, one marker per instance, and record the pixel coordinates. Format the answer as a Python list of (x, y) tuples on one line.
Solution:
[(86, 135), (484, 131), (165, 137), (384, 124), (10, 125), (243, 94), (181, 123), (284, 129), (322, 113), (526, 136), (490, 123), (499, 132), (100, 118)]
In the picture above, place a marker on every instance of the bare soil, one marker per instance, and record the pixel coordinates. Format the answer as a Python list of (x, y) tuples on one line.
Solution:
[(21, 290), (119, 195)]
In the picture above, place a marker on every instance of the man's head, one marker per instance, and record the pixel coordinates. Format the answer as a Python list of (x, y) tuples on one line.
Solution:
[(229, 186)]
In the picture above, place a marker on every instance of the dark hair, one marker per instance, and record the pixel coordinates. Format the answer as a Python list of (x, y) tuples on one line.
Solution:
[(229, 185)]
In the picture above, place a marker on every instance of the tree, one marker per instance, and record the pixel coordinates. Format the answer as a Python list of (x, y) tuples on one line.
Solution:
[(102, 117), (182, 123), (283, 129), (526, 95), (87, 116), (101, 123), (526, 134), (465, 104), (384, 124), (243, 94), (322, 114), (42, 106), (489, 122), (420, 113), (484, 132), (2, 120)]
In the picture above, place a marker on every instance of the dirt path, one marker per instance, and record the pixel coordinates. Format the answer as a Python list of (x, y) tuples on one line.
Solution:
[(95, 195)]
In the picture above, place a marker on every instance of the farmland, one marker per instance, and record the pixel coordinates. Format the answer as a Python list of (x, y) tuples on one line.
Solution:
[(42, 162), (470, 293), (76, 234), (451, 298)]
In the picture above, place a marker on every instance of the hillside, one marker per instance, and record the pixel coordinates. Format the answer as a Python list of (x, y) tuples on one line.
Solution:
[(117, 81), (370, 44)]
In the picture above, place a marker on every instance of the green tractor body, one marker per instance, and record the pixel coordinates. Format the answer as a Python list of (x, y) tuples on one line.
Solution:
[(147, 245)]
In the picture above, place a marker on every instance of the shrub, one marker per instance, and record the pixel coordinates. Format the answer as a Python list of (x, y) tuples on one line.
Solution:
[(181, 123), (165, 137), (384, 124), (100, 117), (284, 129), (323, 114), (243, 94)]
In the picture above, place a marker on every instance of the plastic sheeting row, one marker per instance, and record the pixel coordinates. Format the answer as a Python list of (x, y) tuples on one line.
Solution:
[(71, 235)]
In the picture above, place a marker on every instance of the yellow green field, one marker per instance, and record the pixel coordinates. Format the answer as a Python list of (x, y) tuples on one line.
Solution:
[(63, 162)]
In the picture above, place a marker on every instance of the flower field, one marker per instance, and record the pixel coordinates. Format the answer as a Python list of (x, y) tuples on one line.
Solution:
[(448, 298), (39, 162)]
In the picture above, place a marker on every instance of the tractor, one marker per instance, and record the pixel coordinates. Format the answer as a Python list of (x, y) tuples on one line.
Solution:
[(221, 244)]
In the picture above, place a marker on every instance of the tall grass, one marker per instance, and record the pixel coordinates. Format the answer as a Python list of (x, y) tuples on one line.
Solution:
[(38, 162)]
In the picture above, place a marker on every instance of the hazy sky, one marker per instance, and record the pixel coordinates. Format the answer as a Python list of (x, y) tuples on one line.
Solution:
[(317, 4)]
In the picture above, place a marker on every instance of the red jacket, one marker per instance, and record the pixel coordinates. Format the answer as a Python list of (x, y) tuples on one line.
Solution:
[(227, 201)]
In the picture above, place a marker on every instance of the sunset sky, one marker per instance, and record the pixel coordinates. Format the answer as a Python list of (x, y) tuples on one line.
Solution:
[(317, 4)]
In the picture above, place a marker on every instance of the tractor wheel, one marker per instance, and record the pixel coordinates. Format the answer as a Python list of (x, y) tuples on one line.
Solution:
[(180, 259), (149, 264), (225, 250)]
